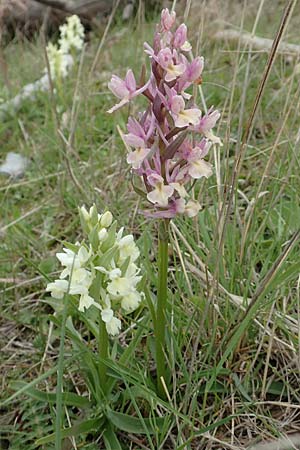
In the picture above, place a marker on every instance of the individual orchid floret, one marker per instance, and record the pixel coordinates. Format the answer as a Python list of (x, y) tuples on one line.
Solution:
[(180, 39), (197, 167), (165, 59), (183, 117), (58, 288), (100, 272), (192, 208), (161, 192), (194, 70), (136, 158), (207, 123), (125, 89), (167, 19)]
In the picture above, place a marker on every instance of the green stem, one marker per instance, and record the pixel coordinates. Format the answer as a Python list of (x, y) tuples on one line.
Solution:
[(60, 372), (103, 354), (160, 325)]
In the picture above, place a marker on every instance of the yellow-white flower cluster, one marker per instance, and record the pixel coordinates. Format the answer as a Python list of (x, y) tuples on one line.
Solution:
[(102, 271), (71, 35), (71, 40)]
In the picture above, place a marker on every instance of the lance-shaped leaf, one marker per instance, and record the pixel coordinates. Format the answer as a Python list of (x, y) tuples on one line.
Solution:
[(172, 148)]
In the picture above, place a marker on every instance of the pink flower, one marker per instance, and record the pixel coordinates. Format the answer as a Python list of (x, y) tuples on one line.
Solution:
[(192, 208), (175, 207), (165, 59), (180, 36), (137, 157), (183, 117), (167, 19), (194, 69), (180, 39), (197, 167), (161, 192), (206, 124), (124, 89)]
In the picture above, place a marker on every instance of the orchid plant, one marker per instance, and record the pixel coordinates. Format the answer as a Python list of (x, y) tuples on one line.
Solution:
[(100, 273), (167, 144)]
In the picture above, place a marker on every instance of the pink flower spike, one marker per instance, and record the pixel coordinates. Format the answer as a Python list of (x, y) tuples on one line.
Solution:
[(180, 36), (167, 19)]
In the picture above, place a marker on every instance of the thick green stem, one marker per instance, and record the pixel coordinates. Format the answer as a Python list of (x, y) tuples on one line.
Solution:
[(103, 354), (160, 325)]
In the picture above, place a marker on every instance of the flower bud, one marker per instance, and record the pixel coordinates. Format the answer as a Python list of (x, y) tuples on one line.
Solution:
[(106, 219), (102, 235), (84, 213), (167, 19), (180, 36)]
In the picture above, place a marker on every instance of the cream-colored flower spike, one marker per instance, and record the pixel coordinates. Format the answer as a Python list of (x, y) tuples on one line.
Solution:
[(104, 263)]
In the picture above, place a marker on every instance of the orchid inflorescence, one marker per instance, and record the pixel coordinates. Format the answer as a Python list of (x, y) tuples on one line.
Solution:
[(71, 40), (161, 149), (101, 271)]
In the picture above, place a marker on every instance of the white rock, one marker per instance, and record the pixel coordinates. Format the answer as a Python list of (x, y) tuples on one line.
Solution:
[(14, 165)]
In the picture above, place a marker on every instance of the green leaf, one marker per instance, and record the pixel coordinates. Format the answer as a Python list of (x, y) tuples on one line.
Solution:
[(110, 439), (69, 398), (131, 424), (32, 383), (85, 426)]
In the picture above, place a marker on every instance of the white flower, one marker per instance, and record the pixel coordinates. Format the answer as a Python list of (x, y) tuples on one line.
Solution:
[(59, 62), (180, 189), (107, 314), (132, 270), (192, 208), (161, 193), (137, 157), (102, 235), (71, 35), (121, 286), (106, 219), (128, 248), (184, 117), (85, 302), (58, 288), (114, 326), (73, 261), (131, 301), (199, 168)]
